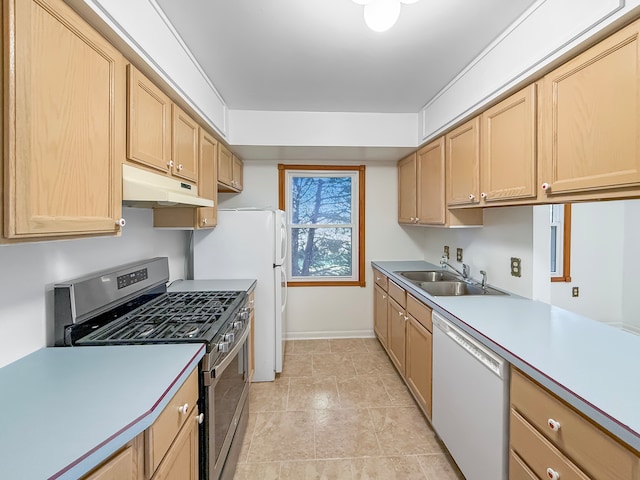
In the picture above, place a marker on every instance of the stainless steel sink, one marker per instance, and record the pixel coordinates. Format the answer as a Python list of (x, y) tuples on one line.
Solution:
[(429, 276), (446, 288), (445, 284)]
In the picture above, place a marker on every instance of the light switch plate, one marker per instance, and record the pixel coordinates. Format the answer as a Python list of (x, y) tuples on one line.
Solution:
[(516, 268), (459, 254), (446, 251), (575, 291)]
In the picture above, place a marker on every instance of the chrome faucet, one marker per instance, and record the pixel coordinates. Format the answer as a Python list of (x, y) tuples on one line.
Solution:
[(465, 268), (484, 278)]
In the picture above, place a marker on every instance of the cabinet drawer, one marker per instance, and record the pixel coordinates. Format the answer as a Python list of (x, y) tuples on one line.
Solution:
[(595, 451), (420, 312), (538, 454), (161, 434), (518, 470), (380, 279), (398, 294)]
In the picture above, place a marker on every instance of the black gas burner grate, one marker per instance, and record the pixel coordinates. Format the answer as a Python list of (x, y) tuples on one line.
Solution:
[(172, 317)]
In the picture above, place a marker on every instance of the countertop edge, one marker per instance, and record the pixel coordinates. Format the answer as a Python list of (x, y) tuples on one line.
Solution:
[(101, 452), (604, 420)]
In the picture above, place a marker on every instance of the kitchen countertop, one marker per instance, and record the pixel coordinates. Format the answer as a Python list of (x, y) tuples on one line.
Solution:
[(212, 285), (65, 410), (591, 365)]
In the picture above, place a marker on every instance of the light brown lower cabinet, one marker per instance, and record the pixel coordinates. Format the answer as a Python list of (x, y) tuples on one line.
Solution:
[(126, 464), (181, 460), (404, 328), (397, 332), (550, 439), (419, 348), (380, 314)]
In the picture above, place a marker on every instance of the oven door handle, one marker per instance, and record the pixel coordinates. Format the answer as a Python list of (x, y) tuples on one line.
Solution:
[(234, 351)]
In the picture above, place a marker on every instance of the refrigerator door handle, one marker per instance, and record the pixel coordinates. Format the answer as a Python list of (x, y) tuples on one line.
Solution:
[(285, 287), (284, 239)]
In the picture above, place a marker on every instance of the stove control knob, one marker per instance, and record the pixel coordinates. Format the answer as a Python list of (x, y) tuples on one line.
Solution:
[(223, 347), (244, 313), (238, 324), (229, 337)]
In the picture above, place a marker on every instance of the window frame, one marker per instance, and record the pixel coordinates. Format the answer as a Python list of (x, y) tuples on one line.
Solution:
[(564, 241), (358, 278)]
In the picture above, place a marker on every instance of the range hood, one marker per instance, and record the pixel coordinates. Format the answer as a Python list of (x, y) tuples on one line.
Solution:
[(141, 188)]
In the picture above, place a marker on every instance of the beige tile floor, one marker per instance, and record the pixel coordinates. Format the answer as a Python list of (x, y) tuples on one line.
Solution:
[(339, 410)]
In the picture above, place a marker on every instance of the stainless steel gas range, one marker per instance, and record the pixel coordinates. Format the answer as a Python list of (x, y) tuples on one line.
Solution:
[(131, 304)]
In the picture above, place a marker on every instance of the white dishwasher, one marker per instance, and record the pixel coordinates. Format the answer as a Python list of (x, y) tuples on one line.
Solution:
[(470, 402)]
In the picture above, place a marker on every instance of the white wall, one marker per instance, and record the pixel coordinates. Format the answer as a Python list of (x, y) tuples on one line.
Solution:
[(249, 127), (507, 232), (631, 267), (597, 241), (323, 312), (604, 262), (28, 272)]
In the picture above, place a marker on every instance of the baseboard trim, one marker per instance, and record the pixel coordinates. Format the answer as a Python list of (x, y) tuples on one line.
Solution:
[(631, 329), (320, 335)]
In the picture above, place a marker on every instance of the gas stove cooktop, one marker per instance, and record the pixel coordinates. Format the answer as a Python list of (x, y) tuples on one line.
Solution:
[(130, 305), (172, 317)]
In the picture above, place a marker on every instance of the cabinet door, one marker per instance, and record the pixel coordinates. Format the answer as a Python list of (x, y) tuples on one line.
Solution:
[(181, 461), (149, 123), (396, 339), (508, 161), (590, 125), (463, 163), (237, 173), (225, 166), (380, 324), (431, 200), (65, 124), (208, 180), (185, 145), (418, 368), (121, 466), (407, 189)]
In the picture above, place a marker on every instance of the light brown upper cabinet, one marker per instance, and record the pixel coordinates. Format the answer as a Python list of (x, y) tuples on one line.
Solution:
[(407, 206), (160, 135), (590, 124), (149, 123), (238, 173), (463, 163), (196, 217), (64, 131), (492, 158), (184, 145), (508, 154), (229, 170), (208, 180), (421, 190)]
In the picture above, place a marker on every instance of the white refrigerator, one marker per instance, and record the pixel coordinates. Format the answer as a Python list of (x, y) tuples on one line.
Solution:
[(251, 243)]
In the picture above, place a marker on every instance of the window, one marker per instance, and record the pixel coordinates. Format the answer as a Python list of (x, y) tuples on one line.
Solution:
[(560, 260), (325, 213)]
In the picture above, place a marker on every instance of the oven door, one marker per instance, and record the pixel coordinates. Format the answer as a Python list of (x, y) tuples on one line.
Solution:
[(226, 410)]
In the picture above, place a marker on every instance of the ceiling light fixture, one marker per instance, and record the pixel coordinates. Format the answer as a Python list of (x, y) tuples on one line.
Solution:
[(381, 15)]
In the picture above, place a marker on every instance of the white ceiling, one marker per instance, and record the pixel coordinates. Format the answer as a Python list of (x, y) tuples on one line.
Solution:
[(318, 55)]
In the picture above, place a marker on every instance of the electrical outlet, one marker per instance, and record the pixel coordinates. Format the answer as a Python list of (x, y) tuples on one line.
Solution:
[(446, 251), (459, 254), (575, 291), (516, 268)]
